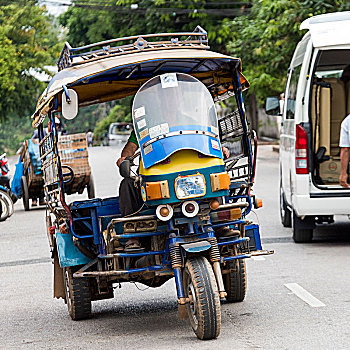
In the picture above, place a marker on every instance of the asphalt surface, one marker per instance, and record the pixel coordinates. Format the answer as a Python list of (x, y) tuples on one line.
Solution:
[(272, 316)]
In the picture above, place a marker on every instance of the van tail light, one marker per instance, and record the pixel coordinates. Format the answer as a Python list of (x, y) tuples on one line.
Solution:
[(301, 151)]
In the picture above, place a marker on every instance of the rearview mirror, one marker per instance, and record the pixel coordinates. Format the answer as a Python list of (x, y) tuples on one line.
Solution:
[(124, 168), (69, 104), (272, 106)]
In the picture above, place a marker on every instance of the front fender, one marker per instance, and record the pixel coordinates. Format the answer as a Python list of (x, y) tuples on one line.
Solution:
[(196, 247)]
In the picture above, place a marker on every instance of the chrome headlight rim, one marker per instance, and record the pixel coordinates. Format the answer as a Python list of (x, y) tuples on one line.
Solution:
[(190, 177)]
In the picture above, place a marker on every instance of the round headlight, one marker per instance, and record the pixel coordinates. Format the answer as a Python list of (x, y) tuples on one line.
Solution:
[(164, 212), (190, 208)]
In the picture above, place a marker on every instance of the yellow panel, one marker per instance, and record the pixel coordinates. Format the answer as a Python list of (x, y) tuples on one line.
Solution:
[(181, 161), (220, 181)]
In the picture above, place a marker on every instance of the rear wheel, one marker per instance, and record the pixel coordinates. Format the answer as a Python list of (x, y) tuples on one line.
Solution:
[(91, 187), (204, 303), (25, 193), (235, 281), (285, 213), (302, 233), (78, 297)]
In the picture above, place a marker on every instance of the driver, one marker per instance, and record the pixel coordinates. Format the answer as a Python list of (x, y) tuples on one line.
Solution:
[(130, 199)]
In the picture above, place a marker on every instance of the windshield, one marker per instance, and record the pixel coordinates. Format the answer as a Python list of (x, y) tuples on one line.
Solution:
[(170, 102), (175, 111), (117, 129)]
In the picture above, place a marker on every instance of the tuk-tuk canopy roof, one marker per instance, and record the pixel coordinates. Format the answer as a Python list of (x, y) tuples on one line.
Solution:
[(113, 77)]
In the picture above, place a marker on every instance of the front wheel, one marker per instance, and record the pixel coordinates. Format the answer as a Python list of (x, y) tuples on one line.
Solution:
[(4, 209), (204, 303), (78, 297)]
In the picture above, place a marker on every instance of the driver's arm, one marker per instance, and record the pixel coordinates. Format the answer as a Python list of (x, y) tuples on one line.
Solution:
[(128, 151)]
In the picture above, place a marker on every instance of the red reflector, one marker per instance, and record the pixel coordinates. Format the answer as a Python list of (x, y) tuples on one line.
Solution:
[(301, 151)]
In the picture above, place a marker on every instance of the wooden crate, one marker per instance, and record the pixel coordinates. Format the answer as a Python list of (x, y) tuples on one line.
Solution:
[(73, 152)]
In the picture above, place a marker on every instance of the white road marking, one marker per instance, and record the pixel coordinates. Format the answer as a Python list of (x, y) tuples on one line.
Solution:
[(258, 257), (304, 295)]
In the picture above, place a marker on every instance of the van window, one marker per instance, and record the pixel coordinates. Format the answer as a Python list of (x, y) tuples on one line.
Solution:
[(292, 92), (294, 74)]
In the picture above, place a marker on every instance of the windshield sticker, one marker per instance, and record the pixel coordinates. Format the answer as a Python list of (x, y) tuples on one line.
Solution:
[(215, 144), (164, 128), (154, 131), (168, 80), (141, 124), (148, 149), (139, 112), (214, 130), (143, 134)]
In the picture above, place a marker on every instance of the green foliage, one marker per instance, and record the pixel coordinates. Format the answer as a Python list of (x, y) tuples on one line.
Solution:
[(28, 40), (119, 113), (88, 21), (266, 39)]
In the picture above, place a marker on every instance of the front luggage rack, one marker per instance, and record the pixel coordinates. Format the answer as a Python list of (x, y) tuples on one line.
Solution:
[(198, 39)]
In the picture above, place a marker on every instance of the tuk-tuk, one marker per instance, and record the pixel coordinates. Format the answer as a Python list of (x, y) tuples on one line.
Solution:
[(189, 191)]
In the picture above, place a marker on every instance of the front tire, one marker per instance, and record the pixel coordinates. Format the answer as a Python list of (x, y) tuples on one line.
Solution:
[(235, 281), (78, 296), (4, 209), (204, 307)]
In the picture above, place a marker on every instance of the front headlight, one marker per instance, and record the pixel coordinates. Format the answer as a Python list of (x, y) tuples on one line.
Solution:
[(190, 186)]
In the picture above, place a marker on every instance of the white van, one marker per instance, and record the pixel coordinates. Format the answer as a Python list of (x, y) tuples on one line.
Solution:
[(316, 102)]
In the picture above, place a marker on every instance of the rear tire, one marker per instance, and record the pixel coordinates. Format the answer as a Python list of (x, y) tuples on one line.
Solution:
[(91, 187), (303, 228), (204, 307), (25, 193), (285, 213), (235, 281), (78, 297), (302, 235)]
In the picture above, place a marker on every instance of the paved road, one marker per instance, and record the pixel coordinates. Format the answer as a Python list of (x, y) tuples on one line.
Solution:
[(271, 317)]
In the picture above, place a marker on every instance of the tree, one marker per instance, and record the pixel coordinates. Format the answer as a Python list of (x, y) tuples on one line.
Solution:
[(28, 40), (92, 21), (266, 39)]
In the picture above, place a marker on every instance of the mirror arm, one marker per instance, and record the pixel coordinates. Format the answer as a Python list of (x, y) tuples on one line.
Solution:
[(67, 93)]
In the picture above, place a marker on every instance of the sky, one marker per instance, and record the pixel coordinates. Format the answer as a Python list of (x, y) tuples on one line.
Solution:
[(55, 7)]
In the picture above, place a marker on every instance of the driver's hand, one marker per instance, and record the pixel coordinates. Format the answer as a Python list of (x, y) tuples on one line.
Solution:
[(343, 180), (120, 160), (225, 152)]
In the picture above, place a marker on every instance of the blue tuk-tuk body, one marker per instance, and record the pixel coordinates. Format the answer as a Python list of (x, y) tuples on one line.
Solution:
[(192, 225)]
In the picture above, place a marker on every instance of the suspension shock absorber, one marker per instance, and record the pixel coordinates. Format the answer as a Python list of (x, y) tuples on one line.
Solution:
[(176, 264), (215, 258)]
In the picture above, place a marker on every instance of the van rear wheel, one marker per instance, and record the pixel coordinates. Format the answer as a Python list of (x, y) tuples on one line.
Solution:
[(285, 213), (302, 235)]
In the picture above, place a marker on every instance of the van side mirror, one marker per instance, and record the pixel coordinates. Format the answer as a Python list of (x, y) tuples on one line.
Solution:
[(124, 168), (69, 104), (272, 106)]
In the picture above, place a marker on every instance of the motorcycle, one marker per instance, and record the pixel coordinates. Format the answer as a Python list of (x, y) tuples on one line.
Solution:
[(7, 197)]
